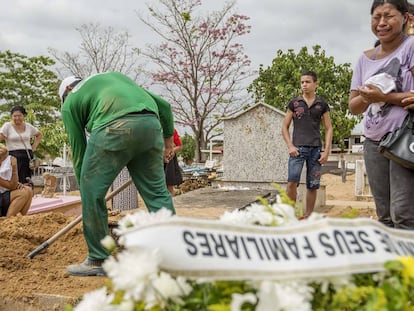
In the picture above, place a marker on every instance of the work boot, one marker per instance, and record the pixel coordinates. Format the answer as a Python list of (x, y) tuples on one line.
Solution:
[(87, 268)]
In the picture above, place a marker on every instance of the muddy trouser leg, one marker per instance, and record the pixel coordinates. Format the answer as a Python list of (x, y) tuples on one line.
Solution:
[(99, 169), (146, 167), (127, 141), (378, 171)]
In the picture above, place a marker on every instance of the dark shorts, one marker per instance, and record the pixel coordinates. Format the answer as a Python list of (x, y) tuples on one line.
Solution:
[(173, 174), (310, 155), (4, 203)]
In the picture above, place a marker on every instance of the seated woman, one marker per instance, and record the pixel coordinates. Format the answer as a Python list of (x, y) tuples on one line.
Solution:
[(15, 197)]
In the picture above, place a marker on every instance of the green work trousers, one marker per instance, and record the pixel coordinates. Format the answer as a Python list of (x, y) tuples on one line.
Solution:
[(134, 141)]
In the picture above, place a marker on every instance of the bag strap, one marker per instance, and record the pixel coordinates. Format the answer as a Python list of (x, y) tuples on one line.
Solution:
[(411, 116), (375, 53), (21, 138)]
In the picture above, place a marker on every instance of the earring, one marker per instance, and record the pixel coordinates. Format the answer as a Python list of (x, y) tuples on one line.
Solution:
[(410, 30)]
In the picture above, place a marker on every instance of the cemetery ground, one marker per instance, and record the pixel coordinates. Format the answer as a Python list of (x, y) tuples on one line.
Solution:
[(42, 283)]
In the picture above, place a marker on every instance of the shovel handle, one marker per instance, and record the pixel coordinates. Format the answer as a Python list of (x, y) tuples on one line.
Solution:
[(73, 223), (38, 249), (57, 235)]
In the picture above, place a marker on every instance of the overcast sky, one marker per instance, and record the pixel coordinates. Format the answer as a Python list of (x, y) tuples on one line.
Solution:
[(340, 27)]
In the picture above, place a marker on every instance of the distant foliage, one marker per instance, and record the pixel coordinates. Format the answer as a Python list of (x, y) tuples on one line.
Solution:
[(30, 82), (188, 150)]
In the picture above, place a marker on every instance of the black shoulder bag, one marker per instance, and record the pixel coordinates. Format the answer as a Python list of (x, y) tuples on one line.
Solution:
[(33, 162), (398, 145)]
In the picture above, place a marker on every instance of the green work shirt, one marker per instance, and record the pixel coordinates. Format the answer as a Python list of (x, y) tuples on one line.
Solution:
[(103, 98)]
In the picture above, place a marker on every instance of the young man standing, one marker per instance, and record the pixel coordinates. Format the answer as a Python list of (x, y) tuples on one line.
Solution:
[(307, 111)]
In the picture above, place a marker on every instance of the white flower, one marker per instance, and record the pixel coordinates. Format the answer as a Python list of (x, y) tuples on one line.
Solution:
[(315, 216), (109, 243), (257, 214), (132, 271), (184, 286), (97, 300), (253, 215), (287, 211), (338, 282), (126, 305), (284, 296), (170, 288), (238, 300), (135, 271)]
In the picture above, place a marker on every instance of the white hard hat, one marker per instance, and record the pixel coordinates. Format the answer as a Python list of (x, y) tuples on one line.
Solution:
[(65, 83)]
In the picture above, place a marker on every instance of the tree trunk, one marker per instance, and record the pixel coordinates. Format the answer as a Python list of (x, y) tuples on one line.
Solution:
[(200, 145), (343, 166)]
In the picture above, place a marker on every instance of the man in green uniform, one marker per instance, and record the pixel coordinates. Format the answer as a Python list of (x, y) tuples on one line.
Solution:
[(127, 126)]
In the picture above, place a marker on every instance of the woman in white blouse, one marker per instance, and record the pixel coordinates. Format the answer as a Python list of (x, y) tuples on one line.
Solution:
[(18, 135)]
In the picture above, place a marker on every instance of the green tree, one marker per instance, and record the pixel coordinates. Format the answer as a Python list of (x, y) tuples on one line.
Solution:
[(278, 83), (29, 81), (188, 150)]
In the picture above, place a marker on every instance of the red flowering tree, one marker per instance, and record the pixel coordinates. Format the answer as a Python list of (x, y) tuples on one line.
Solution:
[(199, 64)]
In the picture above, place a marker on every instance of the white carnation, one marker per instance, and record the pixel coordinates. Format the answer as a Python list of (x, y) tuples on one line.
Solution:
[(126, 305), (109, 243), (284, 296), (257, 214), (132, 270), (169, 288), (97, 300)]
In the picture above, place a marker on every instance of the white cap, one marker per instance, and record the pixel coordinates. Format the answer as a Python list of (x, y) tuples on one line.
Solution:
[(65, 83)]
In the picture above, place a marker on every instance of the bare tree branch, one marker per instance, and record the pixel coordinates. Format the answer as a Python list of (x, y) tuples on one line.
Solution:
[(101, 50)]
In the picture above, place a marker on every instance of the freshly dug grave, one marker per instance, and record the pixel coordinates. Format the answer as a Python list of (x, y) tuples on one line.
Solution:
[(42, 283), (46, 272)]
